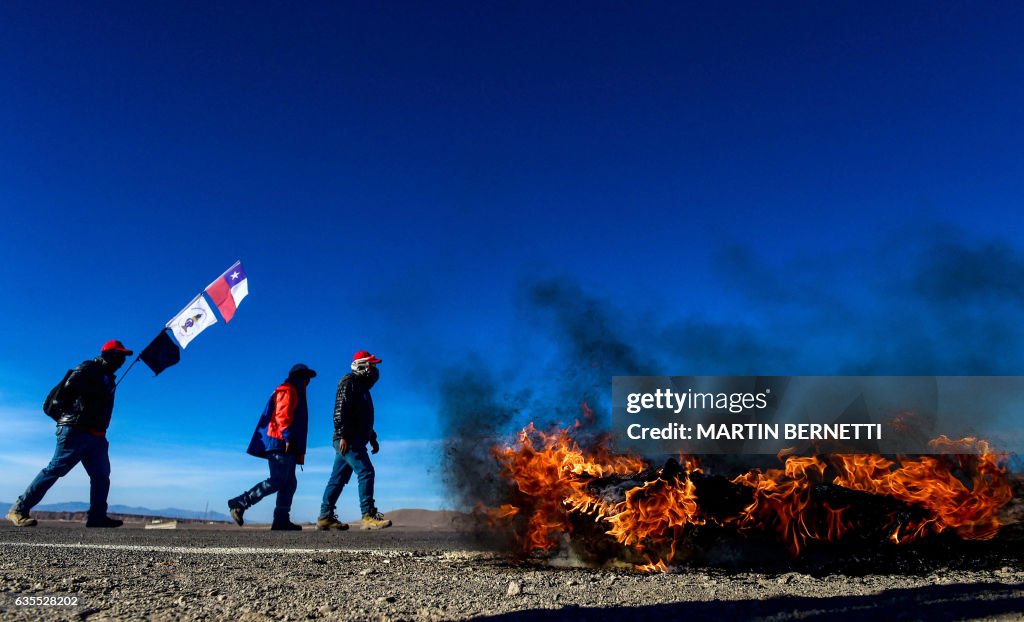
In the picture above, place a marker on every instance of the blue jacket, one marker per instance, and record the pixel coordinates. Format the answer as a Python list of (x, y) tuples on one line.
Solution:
[(284, 420)]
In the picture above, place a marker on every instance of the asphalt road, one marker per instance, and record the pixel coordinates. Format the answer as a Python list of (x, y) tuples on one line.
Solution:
[(408, 574)]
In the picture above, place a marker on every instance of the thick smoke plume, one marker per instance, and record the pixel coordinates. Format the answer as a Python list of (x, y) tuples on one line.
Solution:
[(931, 301), (476, 414)]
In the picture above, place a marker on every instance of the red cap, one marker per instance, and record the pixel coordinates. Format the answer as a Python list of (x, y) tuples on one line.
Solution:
[(116, 346), (363, 354)]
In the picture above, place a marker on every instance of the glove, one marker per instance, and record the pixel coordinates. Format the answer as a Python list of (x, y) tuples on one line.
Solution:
[(374, 446)]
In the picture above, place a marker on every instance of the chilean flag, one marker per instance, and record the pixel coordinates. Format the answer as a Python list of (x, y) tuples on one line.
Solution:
[(228, 291)]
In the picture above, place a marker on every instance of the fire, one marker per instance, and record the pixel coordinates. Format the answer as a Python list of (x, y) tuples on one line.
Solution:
[(931, 482), (558, 479), (658, 510), (550, 469), (552, 472), (782, 502)]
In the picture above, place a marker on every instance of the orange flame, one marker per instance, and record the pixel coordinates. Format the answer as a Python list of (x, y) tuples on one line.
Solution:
[(930, 482), (551, 469), (782, 501), (657, 510), (962, 491)]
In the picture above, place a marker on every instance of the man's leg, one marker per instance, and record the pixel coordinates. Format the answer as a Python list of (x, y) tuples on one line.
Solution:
[(341, 472), (366, 474), (283, 471), (96, 460), (253, 496), (66, 455), (340, 475), (361, 464)]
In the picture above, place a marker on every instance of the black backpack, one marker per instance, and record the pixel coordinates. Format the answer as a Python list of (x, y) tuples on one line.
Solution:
[(53, 405)]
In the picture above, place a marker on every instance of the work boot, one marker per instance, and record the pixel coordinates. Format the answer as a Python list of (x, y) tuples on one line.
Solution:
[(326, 523), (236, 512), (374, 520), (20, 517), (105, 522), (286, 525)]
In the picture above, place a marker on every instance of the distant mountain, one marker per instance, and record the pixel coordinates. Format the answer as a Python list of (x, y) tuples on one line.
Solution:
[(81, 506)]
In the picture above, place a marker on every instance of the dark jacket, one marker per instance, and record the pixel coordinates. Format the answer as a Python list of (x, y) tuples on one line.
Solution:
[(285, 419), (88, 397), (353, 408)]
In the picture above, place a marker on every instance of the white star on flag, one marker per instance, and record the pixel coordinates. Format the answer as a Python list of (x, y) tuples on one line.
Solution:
[(228, 290)]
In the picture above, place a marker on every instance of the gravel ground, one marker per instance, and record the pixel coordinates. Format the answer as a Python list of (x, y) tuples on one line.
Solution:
[(405, 574)]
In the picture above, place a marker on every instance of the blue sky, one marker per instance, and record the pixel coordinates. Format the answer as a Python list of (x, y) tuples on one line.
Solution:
[(795, 188)]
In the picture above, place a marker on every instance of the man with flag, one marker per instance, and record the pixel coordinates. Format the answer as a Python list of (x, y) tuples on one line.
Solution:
[(86, 402), (280, 438)]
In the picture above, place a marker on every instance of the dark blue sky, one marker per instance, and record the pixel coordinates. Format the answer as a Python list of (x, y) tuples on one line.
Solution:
[(740, 187)]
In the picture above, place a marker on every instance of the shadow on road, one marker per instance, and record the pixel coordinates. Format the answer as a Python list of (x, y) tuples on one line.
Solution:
[(932, 603)]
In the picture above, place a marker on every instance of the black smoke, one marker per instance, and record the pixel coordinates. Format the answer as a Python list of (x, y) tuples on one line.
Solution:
[(925, 301), (477, 413)]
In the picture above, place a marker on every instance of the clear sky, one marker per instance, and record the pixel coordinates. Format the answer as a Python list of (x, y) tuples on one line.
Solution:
[(797, 187)]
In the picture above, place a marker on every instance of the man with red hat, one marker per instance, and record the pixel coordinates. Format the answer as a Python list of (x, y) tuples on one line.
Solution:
[(353, 430), (86, 402)]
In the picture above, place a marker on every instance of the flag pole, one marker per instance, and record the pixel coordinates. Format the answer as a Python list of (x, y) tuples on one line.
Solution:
[(162, 330), (125, 373)]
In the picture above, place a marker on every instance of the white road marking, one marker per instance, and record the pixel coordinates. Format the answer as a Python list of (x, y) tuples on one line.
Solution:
[(248, 550), (212, 550)]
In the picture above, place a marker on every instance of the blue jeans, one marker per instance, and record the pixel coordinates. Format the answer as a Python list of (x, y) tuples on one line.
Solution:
[(355, 459), (282, 481), (74, 446)]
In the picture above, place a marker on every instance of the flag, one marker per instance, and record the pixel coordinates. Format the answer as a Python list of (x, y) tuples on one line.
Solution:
[(228, 291), (161, 353), (192, 320)]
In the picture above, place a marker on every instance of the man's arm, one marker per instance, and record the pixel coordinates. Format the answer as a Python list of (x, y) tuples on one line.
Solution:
[(284, 414), (374, 445), (342, 405)]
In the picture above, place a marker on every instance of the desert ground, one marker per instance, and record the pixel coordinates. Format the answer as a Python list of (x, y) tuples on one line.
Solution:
[(417, 572)]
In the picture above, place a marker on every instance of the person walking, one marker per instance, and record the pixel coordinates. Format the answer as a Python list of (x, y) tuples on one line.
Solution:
[(280, 438), (86, 403), (353, 430)]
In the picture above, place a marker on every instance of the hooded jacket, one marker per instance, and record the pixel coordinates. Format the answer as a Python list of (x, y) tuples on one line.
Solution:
[(88, 397), (285, 420), (353, 408)]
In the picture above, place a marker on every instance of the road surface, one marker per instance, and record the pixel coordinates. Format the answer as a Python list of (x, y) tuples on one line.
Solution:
[(408, 574)]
